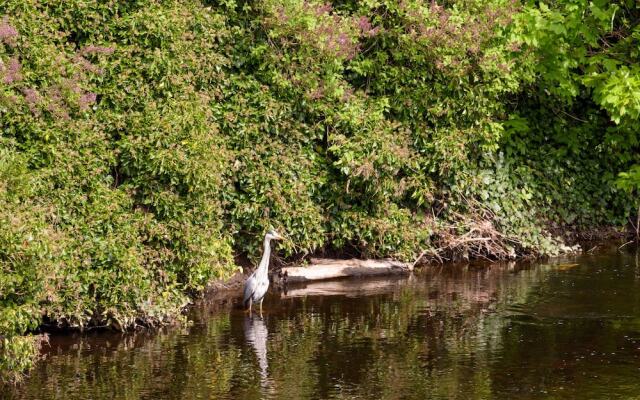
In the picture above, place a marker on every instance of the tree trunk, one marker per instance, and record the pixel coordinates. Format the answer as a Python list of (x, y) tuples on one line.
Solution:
[(638, 224), (321, 269)]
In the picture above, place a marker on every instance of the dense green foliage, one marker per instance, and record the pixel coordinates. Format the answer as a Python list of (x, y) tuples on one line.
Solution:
[(145, 143)]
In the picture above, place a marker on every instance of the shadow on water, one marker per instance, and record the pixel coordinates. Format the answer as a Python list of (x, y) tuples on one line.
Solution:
[(567, 329)]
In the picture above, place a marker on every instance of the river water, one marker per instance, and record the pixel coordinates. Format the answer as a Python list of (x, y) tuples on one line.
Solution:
[(562, 329)]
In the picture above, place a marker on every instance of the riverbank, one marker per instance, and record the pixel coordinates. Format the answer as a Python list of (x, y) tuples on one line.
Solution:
[(447, 331), (219, 294)]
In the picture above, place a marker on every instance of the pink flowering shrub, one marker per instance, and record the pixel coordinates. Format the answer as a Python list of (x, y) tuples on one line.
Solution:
[(93, 49), (68, 89), (316, 27), (8, 33), (11, 71), (455, 39), (322, 39)]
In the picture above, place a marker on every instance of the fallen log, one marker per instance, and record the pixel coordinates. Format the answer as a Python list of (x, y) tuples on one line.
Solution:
[(322, 269), (345, 287)]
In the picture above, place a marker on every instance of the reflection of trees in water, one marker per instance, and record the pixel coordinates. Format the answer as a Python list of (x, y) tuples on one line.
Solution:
[(195, 362), (637, 263), (428, 337), (431, 338)]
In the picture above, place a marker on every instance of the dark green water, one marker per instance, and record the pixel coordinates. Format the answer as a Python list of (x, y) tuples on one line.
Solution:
[(566, 329)]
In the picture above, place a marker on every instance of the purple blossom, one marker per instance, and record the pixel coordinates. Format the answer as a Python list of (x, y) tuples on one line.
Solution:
[(348, 93), (514, 46), (284, 18), (12, 71), (343, 39), (316, 93), (55, 94), (86, 65), (56, 104), (87, 100), (321, 9), (341, 45), (7, 32), (364, 24), (92, 49), (32, 98)]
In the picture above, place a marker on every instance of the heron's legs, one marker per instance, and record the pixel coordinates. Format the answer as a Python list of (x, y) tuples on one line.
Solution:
[(250, 302), (261, 306)]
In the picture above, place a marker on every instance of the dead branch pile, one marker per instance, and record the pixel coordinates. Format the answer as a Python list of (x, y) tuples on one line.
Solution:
[(469, 236)]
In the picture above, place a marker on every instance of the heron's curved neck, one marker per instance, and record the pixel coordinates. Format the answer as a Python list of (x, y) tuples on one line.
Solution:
[(264, 263)]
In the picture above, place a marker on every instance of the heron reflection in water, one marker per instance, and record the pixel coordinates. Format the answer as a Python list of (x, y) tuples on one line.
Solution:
[(255, 333)]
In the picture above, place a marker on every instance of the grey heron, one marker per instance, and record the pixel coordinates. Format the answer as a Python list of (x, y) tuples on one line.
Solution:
[(258, 283)]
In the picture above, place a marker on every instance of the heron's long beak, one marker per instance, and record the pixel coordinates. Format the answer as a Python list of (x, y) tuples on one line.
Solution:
[(278, 237)]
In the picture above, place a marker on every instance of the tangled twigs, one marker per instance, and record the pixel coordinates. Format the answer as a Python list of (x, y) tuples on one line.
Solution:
[(429, 252), (472, 235)]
